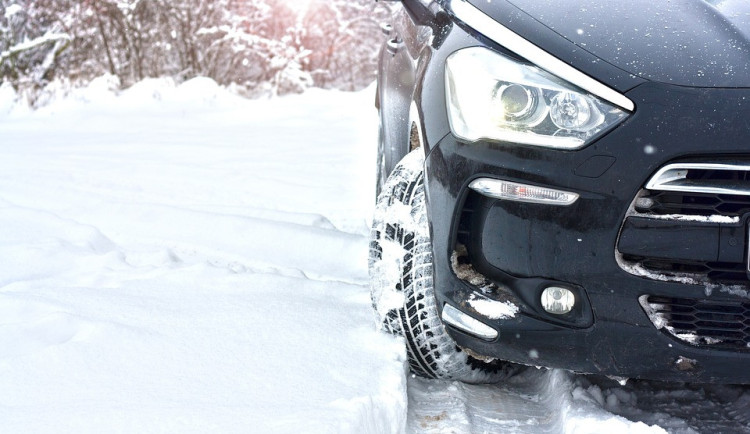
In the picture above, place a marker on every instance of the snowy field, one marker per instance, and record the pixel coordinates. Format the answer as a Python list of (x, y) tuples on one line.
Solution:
[(178, 259)]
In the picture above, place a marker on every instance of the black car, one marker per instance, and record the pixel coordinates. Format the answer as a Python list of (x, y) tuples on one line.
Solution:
[(566, 184)]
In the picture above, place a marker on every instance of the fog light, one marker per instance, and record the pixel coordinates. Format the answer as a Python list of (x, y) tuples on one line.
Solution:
[(464, 322), (644, 203), (558, 301)]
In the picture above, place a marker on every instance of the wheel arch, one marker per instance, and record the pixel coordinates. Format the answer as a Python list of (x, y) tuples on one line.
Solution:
[(398, 85)]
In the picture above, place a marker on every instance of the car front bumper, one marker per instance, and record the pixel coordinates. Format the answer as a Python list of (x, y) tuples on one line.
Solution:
[(522, 248)]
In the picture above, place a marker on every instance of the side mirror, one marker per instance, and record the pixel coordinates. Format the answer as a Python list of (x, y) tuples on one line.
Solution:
[(423, 12)]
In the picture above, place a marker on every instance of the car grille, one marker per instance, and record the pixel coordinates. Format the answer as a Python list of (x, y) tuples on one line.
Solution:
[(713, 272), (690, 195), (705, 323), (698, 203)]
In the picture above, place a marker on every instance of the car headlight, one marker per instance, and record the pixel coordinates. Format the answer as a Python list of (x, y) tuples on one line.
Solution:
[(494, 97)]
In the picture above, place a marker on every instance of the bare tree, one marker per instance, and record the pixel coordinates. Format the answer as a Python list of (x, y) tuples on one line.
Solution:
[(343, 37), (259, 45)]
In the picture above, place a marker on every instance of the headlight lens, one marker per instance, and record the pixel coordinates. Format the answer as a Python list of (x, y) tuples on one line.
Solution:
[(491, 96)]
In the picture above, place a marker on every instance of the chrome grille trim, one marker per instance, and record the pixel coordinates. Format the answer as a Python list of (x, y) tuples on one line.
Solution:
[(674, 177)]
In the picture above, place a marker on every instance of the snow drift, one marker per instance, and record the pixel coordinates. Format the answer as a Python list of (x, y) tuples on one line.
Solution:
[(178, 259)]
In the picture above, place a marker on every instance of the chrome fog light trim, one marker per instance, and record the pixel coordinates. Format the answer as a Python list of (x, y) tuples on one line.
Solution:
[(464, 322), (507, 190)]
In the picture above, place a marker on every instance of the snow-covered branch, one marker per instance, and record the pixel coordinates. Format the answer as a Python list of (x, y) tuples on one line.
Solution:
[(34, 43), (258, 45)]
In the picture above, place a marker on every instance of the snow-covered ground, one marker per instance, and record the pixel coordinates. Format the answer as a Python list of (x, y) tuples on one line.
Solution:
[(182, 260), (178, 259)]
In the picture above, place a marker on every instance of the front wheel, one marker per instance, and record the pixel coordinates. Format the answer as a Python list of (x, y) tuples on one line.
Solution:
[(401, 284)]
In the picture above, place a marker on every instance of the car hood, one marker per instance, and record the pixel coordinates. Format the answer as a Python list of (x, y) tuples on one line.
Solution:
[(684, 42)]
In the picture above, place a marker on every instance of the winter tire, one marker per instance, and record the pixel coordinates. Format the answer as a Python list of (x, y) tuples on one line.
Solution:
[(401, 283)]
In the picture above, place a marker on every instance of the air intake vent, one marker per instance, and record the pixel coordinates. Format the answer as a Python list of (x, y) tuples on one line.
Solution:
[(700, 189), (704, 323), (666, 202), (699, 207)]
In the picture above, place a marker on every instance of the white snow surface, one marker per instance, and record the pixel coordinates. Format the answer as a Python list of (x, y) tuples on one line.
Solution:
[(179, 259), (493, 309), (12, 10), (691, 218)]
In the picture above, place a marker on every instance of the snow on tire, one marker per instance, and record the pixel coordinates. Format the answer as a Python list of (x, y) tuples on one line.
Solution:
[(401, 283)]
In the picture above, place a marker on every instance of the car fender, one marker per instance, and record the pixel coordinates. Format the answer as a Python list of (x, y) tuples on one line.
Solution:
[(400, 55)]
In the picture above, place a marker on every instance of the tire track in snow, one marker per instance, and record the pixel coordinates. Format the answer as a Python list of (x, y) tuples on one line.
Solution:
[(239, 264), (255, 242), (526, 403), (676, 407), (556, 401)]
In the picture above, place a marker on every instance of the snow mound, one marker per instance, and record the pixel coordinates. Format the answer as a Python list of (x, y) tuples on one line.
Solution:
[(8, 98), (178, 259)]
